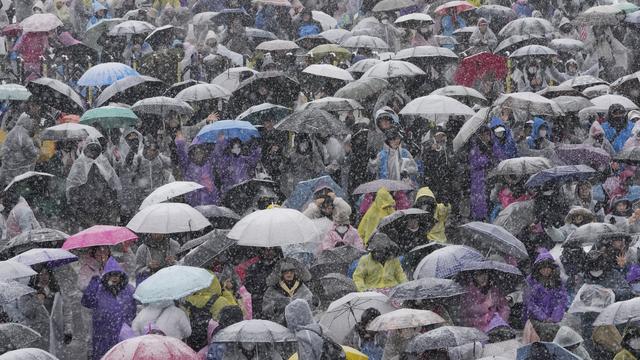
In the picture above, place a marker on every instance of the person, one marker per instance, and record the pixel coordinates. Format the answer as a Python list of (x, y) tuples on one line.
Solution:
[(166, 317), (286, 284), (602, 46), (426, 200), (630, 343), (20, 218), (18, 152), (571, 341), (385, 119), (256, 277), (483, 38), (308, 333), (571, 71), (531, 78), (326, 204), (393, 162), (111, 299), (151, 169), (380, 268), (232, 166), (229, 315), (383, 205), (156, 252), (370, 343), (522, 8), (504, 146), (617, 129), (451, 22), (100, 12), (540, 137), (597, 138), (203, 306), (602, 270), (341, 232), (480, 160), (483, 301), (306, 25), (304, 162)]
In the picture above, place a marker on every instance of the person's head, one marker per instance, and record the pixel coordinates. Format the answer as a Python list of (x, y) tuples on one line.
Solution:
[(59, 4), (100, 253), (288, 275), (631, 337), (571, 67), (303, 143), (598, 30), (235, 147), (617, 116), (481, 279), (268, 123), (93, 150), (584, 190), (327, 207), (198, 154), (269, 255), (621, 207), (151, 150), (413, 223), (484, 134), (393, 138), (263, 90), (114, 136), (545, 270), (500, 132), (483, 25)]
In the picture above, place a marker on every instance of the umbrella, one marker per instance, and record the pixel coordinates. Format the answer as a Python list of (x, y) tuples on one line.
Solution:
[(427, 289), (619, 313), (172, 283), (603, 15), (167, 218), (417, 253), (413, 20), (630, 156), (588, 234), (445, 337), (604, 101), (225, 16), (554, 350), (517, 216), (362, 89), (336, 36), (494, 237), (529, 102), (521, 166), (397, 220), (212, 244), (343, 314), (109, 117), (12, 270), (404, 319), (584, 81), (204, 18), (336, 286), (34, 238), (203, 92), (274, 227), (333, 104), (575, 154), (231, 129), (622, 83), (551, 92), (277, 45), (560, 174), (303, 192), (29, 175), (446, 262), (40, 23), (14, 92), (437, 108), (633, 18), (257, 114), (326, 21), (162, 35), (27, 354), (363, 65), (230, 79), (458, 5), (364, 42), (626, 7), (56, 94), (460, 93), (244, 197), (95, 31), (259, 34), (220, 217), (480, 66), (130, 27), (567, 45), (284, 88), (254, 331), (52, 257), (15, 336), (162, 106), (392, 5), (370, 26), (99, 235), (69, 131), (507, 274), (335, 260), (323, 50), (11, 291), (156, 347), (533, 50), (490, 12), (526, 26), (131, 89), (169, 191), (174, 89), (313, 41), (312, 121), (572, 103), (470, 127), (591, 298), (392, 69), (328, 71), (106, 74), (515, 42), (390, 185)]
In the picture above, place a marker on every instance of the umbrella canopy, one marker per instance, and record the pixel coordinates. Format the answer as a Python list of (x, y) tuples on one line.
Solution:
[(398, 220), (445, 337), (603, 15), (162, 106), (363, 65), (203, 92), (479, 234), (212, 245), (328, 71), (572, 103), (630, 156), (29, 175), (160, 36), (588, 234), (591, 298), (404, 319), (604, 101), (446, 262), (14, 92), (393, 69), (131, 27), (336, 36), (336, 286), (390, 185), (364, 42), (527, 26), (333, 104), (255, 331), (414, 18), (426, 288), (584, 81), (231, 129), (470, 127), (326, 21), (496, 12), (219, 216), (27, 354), (155, 347), (204, 18), (56, 94), (343, 314), (529, 102), (533, 50), (515, 217), (460, 93), (169, 191), (109, 117), (106, 74), (34, 238), (515, 42), (555, 351), (560, 174), (99, 235), (12, 270), (458, 5), (230, 79), (131, 89), (507, 274), (172, 283), (40, 23), (619, 313), (551, 92), (51, 257), (521, 166), (95, 31), (334, 51), (303, 192), (167, 218), (277, 45), (480, 66), (575, 154), (11, 291), (15, 336), (69, 131), (335, 260), (392, 5), (437, 108), (362, 89), (283, 87), (274, 227), (312, 121), (567, 45), (257, 114)]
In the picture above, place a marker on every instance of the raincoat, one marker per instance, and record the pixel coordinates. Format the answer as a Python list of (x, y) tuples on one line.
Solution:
[(79, 173), (110, 312), (332, 238), (479, 308), (164, 316), (480, 162), (382, 206), (339, 205), (131, 194), (534, 141), (154, 250), (375, 136), (149, 174), (522, 8), (616, 139), (543, 303), (18, 152), (505, 147), (279, 295), (449, 24), (200, 298), (371, 274), (486, 41), (234, 169), (21, 219), (97, 6), (607, 47), (570, 339), (391, 163), (308, 333), (441, 214), (203, 175), (302, 166), (597, 138)]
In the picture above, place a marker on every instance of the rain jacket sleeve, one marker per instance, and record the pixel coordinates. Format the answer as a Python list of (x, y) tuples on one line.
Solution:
[(382, 206), (370, 274)]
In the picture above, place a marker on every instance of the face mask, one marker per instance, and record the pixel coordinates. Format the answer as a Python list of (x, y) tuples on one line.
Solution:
[(547, 193), (500, 134), (532, 69), (341, 229), (596, 273), (542, 133), (635, 343), (235, 150)]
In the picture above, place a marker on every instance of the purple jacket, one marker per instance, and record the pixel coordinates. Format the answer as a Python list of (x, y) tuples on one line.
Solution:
[(203, 175), (542, 303), (109, 312), (234, 169), (480, 164)]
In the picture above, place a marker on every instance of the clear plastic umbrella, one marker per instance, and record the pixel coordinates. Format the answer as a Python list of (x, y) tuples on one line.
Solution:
[(527, 26), (404, 319), (392, 5), (15, 336), (12, 290), (69, 131), (604, 101), (131, 27), (230, 79), (336, 36), (255, 331), (11, 270), (445, 337), (328, 71), (572, 103), (169, 191), (203, 92), (277, 45), (515, 217), (459, 92), (529, 102), (312, 121), (362, 89), (35, 238), (362, 66), (483, 235), (51, 257), (27, 354), (14, 92), (533, 50), (567, 45), (167, 218), (425, 51), (437, 108), (619, 313), (521, 166), (40, 23), (162, 106), (333, 104), (364, 41), (426, 288), (155, 347), (591, 298), (584, 81), (470, 127)]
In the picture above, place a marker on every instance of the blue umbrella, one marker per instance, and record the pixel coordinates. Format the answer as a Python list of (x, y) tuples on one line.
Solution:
[(556, 351), (303, 193), (493, 237), (172, 283), (446, 262), (106, 74), (560, 174), (242, 130), (51, 257)]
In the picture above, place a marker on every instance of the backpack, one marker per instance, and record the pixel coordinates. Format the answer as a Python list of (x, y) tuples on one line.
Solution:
[(199, 320), (308, 29), (331, 350)]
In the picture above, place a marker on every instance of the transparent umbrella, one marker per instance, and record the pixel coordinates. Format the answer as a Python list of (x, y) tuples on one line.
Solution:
[(12, 290)]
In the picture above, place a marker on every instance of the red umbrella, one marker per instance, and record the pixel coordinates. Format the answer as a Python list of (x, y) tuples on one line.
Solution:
[(12, 30), (479, 65), (151, 347)]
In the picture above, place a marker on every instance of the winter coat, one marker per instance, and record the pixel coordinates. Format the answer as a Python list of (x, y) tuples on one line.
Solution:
[(480, 164), (543, 303), (276, 299), (339, 205), (109, 312), (479, 308), (18, 152), (437, 232), (351, 238), (382, 206), (389, 159), (616, 139), (595, 130), (504, 148), (449, 24), (370, 274), (203, 175), (164, 316), (21, 219), (534, 141), (234, 169), (256, 284), (308, 333)]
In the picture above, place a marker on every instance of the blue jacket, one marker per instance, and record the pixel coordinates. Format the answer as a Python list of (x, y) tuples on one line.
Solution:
[(535, 131), (617, 140), (383, 157), (502, 148), (448, 26)]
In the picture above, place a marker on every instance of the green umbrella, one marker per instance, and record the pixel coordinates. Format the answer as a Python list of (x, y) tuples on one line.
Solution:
[(14, 92), (109, 117)]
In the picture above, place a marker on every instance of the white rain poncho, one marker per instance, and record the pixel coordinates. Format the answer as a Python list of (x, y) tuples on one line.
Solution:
[(79, 173), (19, 153), (166, 317), (308, 332)]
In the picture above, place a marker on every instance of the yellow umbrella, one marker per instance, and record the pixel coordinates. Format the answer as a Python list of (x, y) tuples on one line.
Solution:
[(320, 51), (352, 354)]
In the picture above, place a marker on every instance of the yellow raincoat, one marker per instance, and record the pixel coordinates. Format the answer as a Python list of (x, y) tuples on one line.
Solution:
[(382, 206), (200, 298), (371, 274), (625, 354), (441, 214)]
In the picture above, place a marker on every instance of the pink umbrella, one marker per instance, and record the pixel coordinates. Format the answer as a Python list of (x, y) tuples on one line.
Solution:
[(151, 347), (99, 235), (460, 6)]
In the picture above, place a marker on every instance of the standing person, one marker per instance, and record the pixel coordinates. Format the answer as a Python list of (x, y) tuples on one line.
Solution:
[(383, 205), (522, 8), (19, 153), (597, 138), (157, 251), (111, 299), (393, 162), (483, 301), (151, 169), (232, 166), (229, 315), (286, 284), (504, 146), (380, 269), (342, 233), (308, 333), (305, 162), (480, 161), (451, 22), (20, 218), (197, 165), (482, 38), (370, 343), (204, 306), (617, 129), (256, 279)]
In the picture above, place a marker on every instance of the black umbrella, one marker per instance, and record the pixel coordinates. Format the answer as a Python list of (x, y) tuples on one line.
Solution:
[(426, 288), (56, 94), (399, 217), (14, 336), (37, 238), (312, 121), (225, 16), (79, 53), (163, 35), (311, 41), (504, 275), (220, 217), (336, 286), (247, 196), (174, 89), (131, 89), (493, 237), (211, 245), (283, 90)]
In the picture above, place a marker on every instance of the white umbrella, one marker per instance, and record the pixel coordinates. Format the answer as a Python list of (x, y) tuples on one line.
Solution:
[(619, 313), (162, 106), (230, 79), (392, 5), (130, 27), (343, 314), (202, 92), (328, 71), (277, 45), (604, 101), (274, 227), (336, 36), (25, 176), (470, 127), (363, 65), (529, 102), (533, 50), (392, 69), (437, 108), (414, 17), (591, 298), (458, 91), (12, 270), (326, 21), (40, 23), (425, 52), (572, 103), (333, 104), (596, 90), (255, 331), (168, 218), (364, 41), (69, 131), (404, 319), (169, 191)]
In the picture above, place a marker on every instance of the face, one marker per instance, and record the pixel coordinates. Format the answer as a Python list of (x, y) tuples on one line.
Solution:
[(268, 124), (413, 223), (394, 143), (482, 27), (617, 244), (92, 151), (546, 271), (485, 136), (151, 152), (621, 207), (288, 275), (384, 123), (482, 278), (263, 91), (114, 280), (584, 191)]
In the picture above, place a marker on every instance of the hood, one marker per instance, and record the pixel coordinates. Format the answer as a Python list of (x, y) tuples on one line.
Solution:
[(38, 5), (634, 274), (543, 257), (112, 266), (537, 124), (586, 214), (200, 298), (388, 112), (424, 192), (342, 215), (564, 21), (25, 121), (571, 62), (496, 322), (97, 6), (384, 199), (495, 122), (298, 315), (596, 129), (567, 337)]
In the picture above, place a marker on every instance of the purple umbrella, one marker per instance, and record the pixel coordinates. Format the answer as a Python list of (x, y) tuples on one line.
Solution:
[(574, 154), (374, 186), (52, 257)]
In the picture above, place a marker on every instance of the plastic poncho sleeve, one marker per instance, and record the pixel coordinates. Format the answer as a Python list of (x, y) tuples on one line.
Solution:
[(382, 206)]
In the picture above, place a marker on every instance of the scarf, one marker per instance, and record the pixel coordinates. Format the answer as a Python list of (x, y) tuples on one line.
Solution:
[(290, 290)]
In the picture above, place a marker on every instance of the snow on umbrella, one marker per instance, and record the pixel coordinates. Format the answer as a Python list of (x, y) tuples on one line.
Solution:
[(12, 270), (51, 257), (560, 174), (567, 45), (490, 12), (603, 15), (588, 234), (343, 314), (109, 117), (515, 42), (629, 156), (633, 18), (508, 275), (533, 50), (397, 220), (517, 216), (445, 337), (319, 52), (521, 166), (40, 23), (459, 92), (254, 331), (392, 5), (231, 129), (220, 217), (335, 285), (167, 218), (169, 191), (414, 18), (259, 35), (575, 154), (458, 5), (33, 239), (362, 89), (27, 354), (160, 36), (527, 26), (591, 298), (446, 262), (554, 350), (630, 80), (265, 111), (131, 89), (584, 81), (56, 94), (375, 185), (437, 108), (106, 74), (203, 92), (69, 131), (11, 291), (312, 121), (303, 192), (336, 36), (204, 18), (333, 104), (277, 45), (230, 79), (15, 336), (619, 313), (529, 102), (147, 347), (426, 288), (604, 101), (328, 71), (212, 245), (364, 42), (99, 235), (363, 65), (131, 27), (551, 92), (572, 103), (335, 260), (162, 106), (393, 69), (274, 227), (479, 234), (14, 92), (172, 283), (284, 3), (26, 176), (95, 31), (404, 319), (470, 127)]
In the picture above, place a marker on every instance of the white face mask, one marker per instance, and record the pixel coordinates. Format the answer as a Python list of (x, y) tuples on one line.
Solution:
[(532, 69), (236, 149), (596, 273), (304, 146), (542, 133), (499, 134), (547, 193), (341, 229), (635, 343)]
